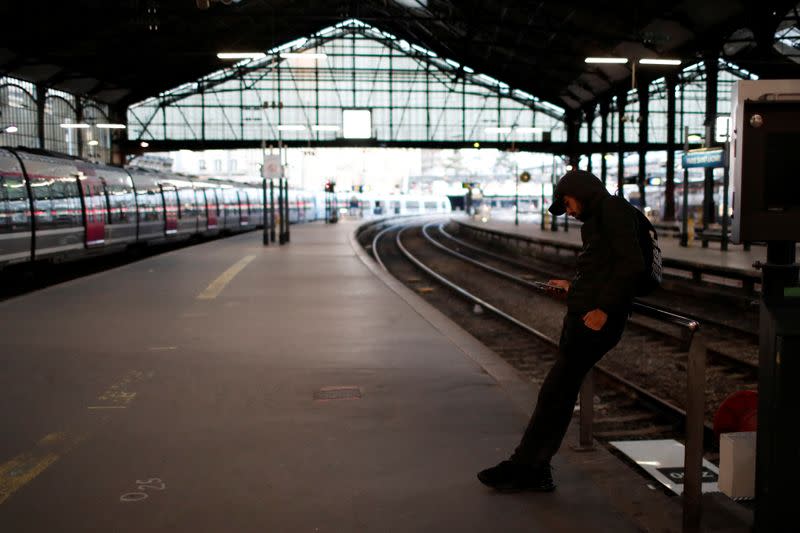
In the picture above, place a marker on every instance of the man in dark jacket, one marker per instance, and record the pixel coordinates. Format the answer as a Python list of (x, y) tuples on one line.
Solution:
[(598, 304)]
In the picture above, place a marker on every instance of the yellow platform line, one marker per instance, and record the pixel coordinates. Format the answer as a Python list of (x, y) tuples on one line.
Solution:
[(22, 469), (213, 290)]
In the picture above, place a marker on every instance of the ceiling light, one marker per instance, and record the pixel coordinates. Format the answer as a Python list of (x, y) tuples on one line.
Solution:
[(111, 126), (615, 60), (660, 61), (11, 129), (241, 55), (94, 142), (144, 144), (694, 138), (291, 127), (494, 129), (291, 55), (74, 126), (323, 127)]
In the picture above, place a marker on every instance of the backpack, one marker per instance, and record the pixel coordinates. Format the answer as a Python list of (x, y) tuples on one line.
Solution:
[(651, 278)]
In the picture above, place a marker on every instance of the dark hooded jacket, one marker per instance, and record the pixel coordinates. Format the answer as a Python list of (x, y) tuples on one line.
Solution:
[(611, 258)]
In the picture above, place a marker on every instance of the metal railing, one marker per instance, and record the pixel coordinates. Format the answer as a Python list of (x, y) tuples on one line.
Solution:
[(695, 408)]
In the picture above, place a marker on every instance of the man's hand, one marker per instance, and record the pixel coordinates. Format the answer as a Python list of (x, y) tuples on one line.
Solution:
[(559, 283), (595, 320)]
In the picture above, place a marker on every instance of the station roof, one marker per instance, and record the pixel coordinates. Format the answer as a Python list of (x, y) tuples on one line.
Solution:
[(124, 51)]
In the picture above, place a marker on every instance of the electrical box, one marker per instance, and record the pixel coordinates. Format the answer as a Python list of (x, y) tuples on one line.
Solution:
[(765, 160)]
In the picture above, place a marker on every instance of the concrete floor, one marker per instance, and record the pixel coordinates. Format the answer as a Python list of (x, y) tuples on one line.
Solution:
[(128, 404)]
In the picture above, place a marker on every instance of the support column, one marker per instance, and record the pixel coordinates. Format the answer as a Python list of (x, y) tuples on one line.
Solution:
[(41, 98), (573, 131), (603, 140), (79, 132), (622, 100), (669, 192), (712, 70), (644, 112), (589, 141), (117, 115)]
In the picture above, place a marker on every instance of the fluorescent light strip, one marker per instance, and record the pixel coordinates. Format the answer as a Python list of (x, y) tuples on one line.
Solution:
[(608, 60), (660, 61), (291, 127), (112, 126), (241, 55), (298, 55), (74, 126), (323, 127), (528, 130), (11, 129), (498, 130)]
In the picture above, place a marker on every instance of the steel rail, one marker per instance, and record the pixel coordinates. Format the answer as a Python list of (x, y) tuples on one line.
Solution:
[(690, 323), (664, 404)]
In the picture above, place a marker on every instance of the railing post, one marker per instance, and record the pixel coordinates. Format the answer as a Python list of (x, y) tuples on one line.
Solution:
[(693, 452), (586, 441)]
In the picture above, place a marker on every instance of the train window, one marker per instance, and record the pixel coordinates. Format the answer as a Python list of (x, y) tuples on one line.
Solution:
[(42, 202), (66, 202), (430, 205), (13, 204), (186, 202), (412, 204), (121, 204)]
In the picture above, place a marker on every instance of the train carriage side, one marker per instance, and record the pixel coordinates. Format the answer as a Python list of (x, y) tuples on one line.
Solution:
[(256, 197), (232, 208), (150, 206), (16, 231), (188, 209), (210, 221), (58, 212), (120, 205)]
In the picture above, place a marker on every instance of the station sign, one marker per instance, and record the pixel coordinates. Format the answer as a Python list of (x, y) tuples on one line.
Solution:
[(704, 158)]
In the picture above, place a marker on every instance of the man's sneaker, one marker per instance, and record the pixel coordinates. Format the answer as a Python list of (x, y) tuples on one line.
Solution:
[(509, 476)]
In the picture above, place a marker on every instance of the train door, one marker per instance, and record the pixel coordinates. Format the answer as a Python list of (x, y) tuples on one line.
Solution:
[(244, 208), (94, 208), (170, 198), (211, 208)]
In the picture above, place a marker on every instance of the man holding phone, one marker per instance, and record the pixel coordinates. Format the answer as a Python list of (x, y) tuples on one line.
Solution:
[(599, 301)]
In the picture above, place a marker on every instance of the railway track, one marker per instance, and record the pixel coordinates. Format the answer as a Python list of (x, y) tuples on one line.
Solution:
[(624, 408), (728, 345)]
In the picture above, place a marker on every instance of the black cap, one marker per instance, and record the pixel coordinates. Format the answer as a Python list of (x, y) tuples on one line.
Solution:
[(580, 184), (557, 207)]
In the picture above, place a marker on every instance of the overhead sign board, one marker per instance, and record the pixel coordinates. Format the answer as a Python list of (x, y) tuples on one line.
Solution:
[(272, 167), (704, 158)]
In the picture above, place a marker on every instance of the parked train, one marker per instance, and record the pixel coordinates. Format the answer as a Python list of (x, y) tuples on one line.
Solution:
[(373, 205), (57, 207)]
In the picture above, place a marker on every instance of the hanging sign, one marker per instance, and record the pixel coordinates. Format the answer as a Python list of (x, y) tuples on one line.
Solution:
[(704, 158), (272, 167)]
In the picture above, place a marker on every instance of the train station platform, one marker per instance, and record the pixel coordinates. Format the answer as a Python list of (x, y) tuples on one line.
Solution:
[(735, 258), (234, 387)]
